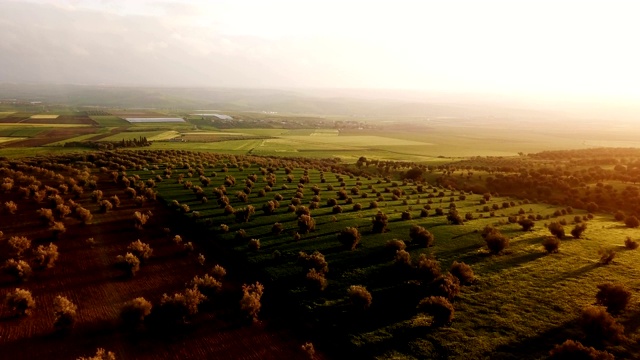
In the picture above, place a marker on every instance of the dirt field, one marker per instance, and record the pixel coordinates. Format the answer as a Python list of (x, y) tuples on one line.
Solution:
[(64, 119), (53, 136), (87, 276)]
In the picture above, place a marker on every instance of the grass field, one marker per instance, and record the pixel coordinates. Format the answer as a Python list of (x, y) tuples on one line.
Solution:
[(525, 301), (44, 116), (150, 135)]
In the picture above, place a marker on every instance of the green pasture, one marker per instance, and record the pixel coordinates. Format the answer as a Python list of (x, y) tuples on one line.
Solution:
[(524, 302)]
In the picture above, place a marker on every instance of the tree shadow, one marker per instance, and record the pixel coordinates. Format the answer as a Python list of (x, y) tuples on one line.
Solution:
[(537, 346)]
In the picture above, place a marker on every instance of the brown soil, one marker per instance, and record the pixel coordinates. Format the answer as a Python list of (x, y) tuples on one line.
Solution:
[(52, 136), (64, 119), (87, 276)]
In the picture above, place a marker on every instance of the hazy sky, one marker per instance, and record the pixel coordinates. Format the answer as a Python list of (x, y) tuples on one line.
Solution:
[(559, 47)]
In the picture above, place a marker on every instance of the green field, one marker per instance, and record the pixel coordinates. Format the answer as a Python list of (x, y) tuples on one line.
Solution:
[(524, 301)]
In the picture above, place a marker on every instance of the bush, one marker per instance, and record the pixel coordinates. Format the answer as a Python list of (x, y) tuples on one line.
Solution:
[(496, 242), (447, 286), (19, 269), (527, 224), (101, 354), (314, 261), (574, 350), (439, 308), (19, 244), (551, 244), (306, 224), (599, 326), (630, 244), (632, 222), (46, 256), (130, 263), (556, 229), (254, 244), (349, 237), (421, 236), (615, 297), (619, 216), (606, 256), (218, 272), (578, 230), (454, 218), (395, 245), (380, 221), (360, 297), (316, 280), (64, 311), (250, 302), (402, 259), (20, 301), (428, 268), (140, 250), (463, 272), (208, 285), (277, 228), (133, 312)]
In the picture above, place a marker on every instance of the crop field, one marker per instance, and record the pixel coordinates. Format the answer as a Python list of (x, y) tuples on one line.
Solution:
[(44, 116), (151, 135), (4, 114), (109, 120)]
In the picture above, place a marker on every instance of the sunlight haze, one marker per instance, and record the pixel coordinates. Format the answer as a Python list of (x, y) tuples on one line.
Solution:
[(546, 49)]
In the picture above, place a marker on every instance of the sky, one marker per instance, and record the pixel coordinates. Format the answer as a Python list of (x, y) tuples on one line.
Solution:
[(567, 49)]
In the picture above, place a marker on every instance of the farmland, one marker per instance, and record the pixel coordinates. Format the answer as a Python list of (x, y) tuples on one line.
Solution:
[(521, 303)]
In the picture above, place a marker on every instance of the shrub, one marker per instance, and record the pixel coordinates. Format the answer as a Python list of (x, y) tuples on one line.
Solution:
[(527, 224), (64, 311), (349, 237), (439, 308), (250, 303), (130, 263), (306, 224), (20, 301), (454, 218), (314, 261), (496, 242), (140, 250), (599, 326), (19, 244), (101, 354), (574, 350), (19, 269), (428, 268), (46, 215), (551, 244), (46, 256), (85, 215), (632, 222), (577, 231), (463, 272), (254, 244), (606, 256), (316, 280), (133, 312), (556, 229), (308, 349), (218, 272), (447, 286), (359, 296), (242, 215), (402, 259), (614, 297), (277, 228), (630, 244), (395, 245), (140, 219), (11, 207), (421, 236), (619, 216), (105, 206), (209, 285), (57, 229)]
